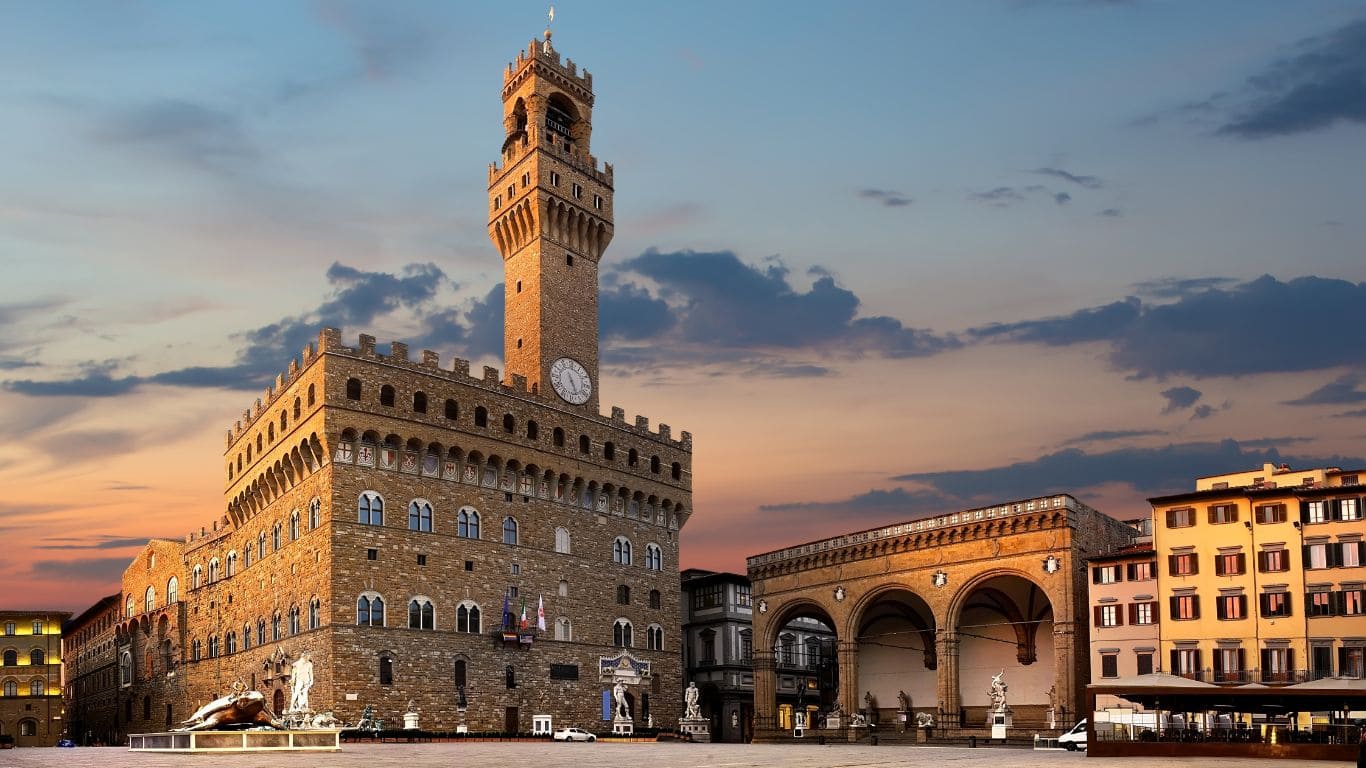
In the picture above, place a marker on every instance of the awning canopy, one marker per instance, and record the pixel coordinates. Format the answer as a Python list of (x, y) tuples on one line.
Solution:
[(1179, 694)]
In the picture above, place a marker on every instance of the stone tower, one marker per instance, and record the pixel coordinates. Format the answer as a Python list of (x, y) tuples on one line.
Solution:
[(550, 215)]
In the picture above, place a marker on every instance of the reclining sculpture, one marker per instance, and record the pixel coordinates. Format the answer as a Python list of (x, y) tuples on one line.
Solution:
[(240, 709)]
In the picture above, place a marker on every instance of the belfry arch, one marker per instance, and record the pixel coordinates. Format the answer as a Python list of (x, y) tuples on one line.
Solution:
[(800, 650), (1003, 622), (895, 633)]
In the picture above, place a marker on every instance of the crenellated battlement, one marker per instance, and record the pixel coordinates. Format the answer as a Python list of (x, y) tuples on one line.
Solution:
[(582, 162), (282, 381), (541, 55)]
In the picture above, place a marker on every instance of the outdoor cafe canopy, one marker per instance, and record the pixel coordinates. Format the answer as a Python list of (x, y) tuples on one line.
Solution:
[(1170, 693)]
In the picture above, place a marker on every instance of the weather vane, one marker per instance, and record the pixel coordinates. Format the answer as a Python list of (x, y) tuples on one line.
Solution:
[(551, 16)]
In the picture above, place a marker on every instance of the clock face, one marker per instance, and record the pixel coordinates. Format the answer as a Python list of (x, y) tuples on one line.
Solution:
[(570, 381)]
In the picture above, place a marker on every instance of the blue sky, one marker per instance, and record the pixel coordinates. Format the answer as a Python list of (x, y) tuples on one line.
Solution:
[(880, 258)]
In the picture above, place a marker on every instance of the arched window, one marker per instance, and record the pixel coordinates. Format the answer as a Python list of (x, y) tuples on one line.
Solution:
[(294, 615), (28, 727), (467, 523), (481, 416), (11, 658), (126, 665), (149, 600), (275, 537), (557, 437), (215, 646), (315, 613), (510, 676), (298, 409), (676, 471), (36, 657), (585, 445), (11, 687), (509, 530), (370, 509), (196, 577), (563, 588), (533, 432), (452, 410), (386, 396), (654, 637), (420, 515), (246, 639), (196, 653), (609, 450), (564, 629), (311, 395), (654, 598), (420, 614), (632, 457), (509, 423), (315, 513), (623, 594), (231, 642), (232, 563), (654, 558), (260, 631), (214, 574), (130, 606), (294, 525), (562, 540), (654, 464), (461, 674), (36, 687), (467, 618), (621, 550), (621, 634), (386, 669), (172, 591), (370, 610), (276, 626), (419, 402), (353, 389)]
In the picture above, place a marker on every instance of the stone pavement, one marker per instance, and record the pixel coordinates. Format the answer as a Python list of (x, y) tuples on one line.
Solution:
[(606, 755)]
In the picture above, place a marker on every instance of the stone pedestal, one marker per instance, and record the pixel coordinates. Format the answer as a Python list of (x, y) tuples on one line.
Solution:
[(410, 721), (623, 726), (697, 728), (1001, 722)]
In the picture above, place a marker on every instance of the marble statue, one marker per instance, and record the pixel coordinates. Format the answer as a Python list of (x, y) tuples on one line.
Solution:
[(998, 692), (903, 702), (301, 679), (691, 710), (240, 709), (924, 719), (623, 710)]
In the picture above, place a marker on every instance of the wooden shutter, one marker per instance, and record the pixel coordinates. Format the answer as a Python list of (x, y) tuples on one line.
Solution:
[(1174, 608), (1264, 600), (1213, 515), (1261, 562), (1156, 618), (1334, 554), (1096, 612), (1218, 665), (1242, 606), (1219, 565), (1171, 518), (1133, 613), (1119, 617), (1171, 565), (1242, 562), (1304, 513), (1129, 572), (1198, 663), (1195, 563), (1195, 608), (1176, 659), (1290, 662)]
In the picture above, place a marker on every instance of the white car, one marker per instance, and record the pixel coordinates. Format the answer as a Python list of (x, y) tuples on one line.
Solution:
[(1074, 739), (573, 734)]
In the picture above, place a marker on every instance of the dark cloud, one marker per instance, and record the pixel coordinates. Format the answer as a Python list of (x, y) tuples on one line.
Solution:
[(887, 197), (721, 303), (1322, 82), (385, 44), (1180, 287), (1149, 470), (1271, 442), (184, 131), (78, 446), (628, 311), (14, 364), (1062, 198), (1093, 324), (1109, 435), (1356, 414), (357, 298), (106, 569), (874, 503), (93, 542), (1345, 390), (1203, 411), (1111, 213), (1089, 182), (1297, 325), (999, 197), (1180, 398)]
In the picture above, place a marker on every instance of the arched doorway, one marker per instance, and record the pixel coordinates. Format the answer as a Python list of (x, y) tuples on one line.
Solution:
[(806, 665), (278, 701), (1005, 626), (897, 655)]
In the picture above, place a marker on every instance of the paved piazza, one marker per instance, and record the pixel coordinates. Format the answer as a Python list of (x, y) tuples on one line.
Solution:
[(662, 755)]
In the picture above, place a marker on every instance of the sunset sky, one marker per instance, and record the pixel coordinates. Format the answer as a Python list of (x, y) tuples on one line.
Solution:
[(882, 259)]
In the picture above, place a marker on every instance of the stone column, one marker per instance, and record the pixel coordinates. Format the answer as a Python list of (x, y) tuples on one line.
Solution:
[(1068, 673), (849, 699), (950, 700), (765, 691)]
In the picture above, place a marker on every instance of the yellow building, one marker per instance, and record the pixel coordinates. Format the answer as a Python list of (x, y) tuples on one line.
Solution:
[(31, 676), (1261, 576)]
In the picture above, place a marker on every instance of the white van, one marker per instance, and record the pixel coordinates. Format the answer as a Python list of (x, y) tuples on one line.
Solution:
[(1074, 739)]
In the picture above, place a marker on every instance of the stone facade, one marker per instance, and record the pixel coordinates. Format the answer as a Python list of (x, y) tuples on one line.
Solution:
[(935, 607), (90, 674), (718, 650), (381, 511), (31, 676)]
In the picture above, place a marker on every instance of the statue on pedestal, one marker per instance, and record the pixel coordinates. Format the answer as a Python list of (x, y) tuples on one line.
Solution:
[(301, 680), (623, 709), (240, 709), (691, 710), (998, 692)]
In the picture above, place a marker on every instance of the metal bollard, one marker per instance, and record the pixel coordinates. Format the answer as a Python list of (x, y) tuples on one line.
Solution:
[(972, 742)]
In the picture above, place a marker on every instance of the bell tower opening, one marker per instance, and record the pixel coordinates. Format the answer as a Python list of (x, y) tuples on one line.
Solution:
[(550, 216)]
